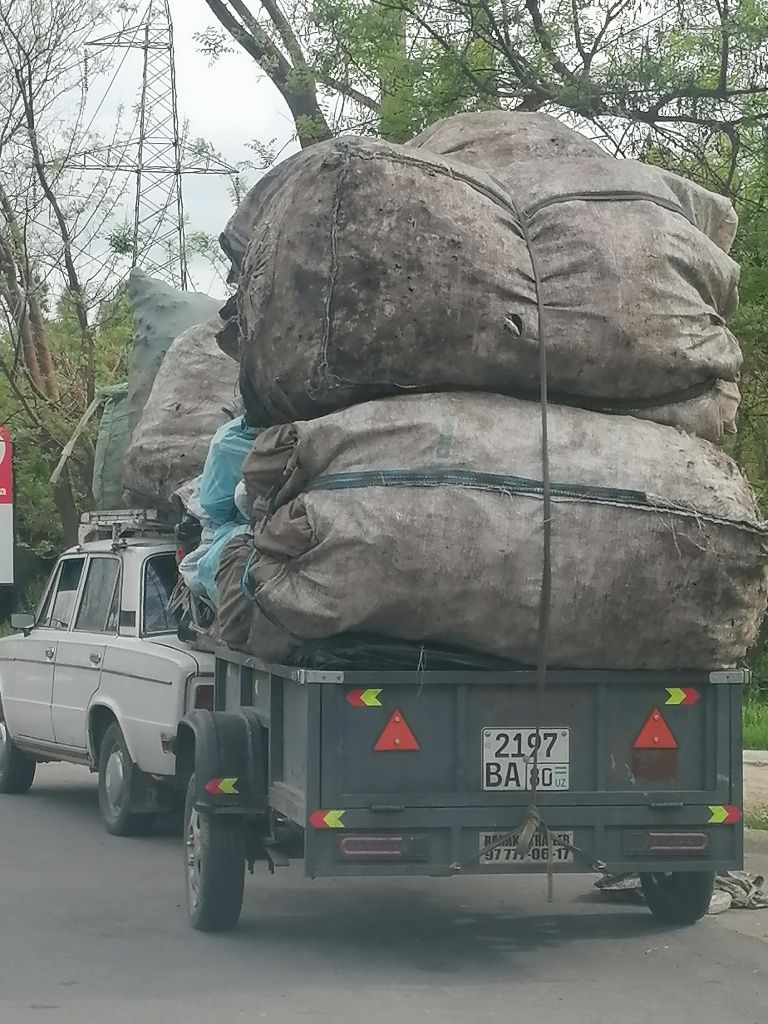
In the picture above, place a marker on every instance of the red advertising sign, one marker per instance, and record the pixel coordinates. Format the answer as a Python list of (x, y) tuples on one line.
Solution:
[(6, 468), (6, 509)]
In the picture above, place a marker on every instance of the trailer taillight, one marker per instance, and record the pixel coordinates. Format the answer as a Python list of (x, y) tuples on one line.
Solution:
[(665, 841), (412, 848), (204, 696)]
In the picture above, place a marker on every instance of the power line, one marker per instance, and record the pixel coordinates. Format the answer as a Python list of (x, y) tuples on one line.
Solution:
[(159, 161)]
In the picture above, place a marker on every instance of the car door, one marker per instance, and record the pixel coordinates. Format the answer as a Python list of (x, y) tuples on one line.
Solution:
[(28, 682), (145, 676), (80, 652)]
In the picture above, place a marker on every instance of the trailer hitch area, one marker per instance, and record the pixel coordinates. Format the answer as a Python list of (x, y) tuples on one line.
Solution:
[(276, 856), (277, 846)]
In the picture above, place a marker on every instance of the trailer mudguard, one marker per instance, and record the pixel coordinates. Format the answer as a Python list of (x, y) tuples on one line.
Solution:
[(227, 752)]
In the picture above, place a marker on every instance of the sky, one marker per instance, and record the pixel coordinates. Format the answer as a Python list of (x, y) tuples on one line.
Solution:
[(229, 104)]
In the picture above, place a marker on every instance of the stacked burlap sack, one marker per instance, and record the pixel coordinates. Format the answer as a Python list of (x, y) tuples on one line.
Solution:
[(160, 314), (391, 306), (181, 389)]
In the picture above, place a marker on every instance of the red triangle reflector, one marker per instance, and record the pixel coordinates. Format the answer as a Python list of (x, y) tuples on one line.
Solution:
[(396, 734), (655, 734)]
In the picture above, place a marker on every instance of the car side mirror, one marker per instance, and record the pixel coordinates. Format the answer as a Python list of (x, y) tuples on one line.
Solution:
[(23, 621)]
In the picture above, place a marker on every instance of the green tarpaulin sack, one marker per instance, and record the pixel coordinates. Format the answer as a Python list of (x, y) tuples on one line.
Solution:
[(111, 445), (160, 314)]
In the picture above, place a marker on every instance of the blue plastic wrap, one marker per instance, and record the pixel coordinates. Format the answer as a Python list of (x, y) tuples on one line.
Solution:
[(223, 471), (189, 567), (208, 562)]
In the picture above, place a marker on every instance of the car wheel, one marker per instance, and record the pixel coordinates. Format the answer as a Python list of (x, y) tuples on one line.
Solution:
[(17, 771), (115, 772), (214, 862)]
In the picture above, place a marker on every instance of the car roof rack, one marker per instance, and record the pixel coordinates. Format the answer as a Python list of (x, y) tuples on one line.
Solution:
[(119, 524)]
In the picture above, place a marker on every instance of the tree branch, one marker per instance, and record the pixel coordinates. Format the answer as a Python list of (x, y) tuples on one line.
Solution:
[(283, 26), (73, 280), (350, 92), (254, 32), (545, 40), (577, 34), (725, 44), (297, 87)]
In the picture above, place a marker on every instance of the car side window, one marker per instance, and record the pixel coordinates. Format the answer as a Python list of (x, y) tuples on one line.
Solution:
[(160, 577), (113, 619), (97, 606), (44, 609), (61, 601)]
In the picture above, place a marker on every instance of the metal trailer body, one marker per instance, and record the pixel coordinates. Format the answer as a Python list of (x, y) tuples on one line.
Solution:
[(428, 773)]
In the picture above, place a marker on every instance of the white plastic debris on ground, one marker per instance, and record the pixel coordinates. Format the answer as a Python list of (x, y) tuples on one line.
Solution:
[(734, 890)]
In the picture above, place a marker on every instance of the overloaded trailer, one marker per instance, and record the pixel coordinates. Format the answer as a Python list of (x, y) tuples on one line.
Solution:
[(379, 772)]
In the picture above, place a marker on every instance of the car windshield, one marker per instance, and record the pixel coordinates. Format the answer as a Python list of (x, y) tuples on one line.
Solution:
[(160, 576)]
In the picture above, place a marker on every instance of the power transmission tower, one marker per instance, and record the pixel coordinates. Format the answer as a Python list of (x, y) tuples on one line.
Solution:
[(159, 163)]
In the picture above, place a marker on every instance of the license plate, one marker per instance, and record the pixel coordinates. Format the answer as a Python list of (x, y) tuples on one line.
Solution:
[(538, 853), (508, 758)]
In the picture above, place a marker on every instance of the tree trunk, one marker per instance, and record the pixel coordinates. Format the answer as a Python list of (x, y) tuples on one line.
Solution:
[(295, 81), (43, 351), (64, 500), (76, 291), (23, 303)]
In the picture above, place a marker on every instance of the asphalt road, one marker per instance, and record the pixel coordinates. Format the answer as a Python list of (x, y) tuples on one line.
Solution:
[(92, 929)]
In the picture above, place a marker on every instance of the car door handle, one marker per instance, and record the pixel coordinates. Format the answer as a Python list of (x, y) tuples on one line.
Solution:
[(50, 653), (96, 658)]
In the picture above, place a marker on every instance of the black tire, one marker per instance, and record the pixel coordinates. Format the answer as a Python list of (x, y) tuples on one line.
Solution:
[(679, 897), (17, 771), (214, 866), (115, 771)]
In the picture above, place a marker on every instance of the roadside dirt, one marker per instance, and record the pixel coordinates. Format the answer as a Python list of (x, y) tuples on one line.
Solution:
[(756, 788)]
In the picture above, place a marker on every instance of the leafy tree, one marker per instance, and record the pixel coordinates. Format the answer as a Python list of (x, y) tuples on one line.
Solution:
[(55, 280), (637, 72), (65, 331), (40, 428)]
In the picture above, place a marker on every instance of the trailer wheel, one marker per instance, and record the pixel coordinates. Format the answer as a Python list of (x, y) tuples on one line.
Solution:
[(214, 858), (678, 897)]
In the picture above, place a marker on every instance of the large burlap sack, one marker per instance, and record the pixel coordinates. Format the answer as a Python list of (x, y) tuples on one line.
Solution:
[(193, 395), (160, 313), (420, 518), (234, 240), (238, 231), (491, 139), (376, 268), (494, 140), (234, 613)]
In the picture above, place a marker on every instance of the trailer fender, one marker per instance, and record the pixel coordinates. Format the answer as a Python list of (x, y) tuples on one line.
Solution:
[(227, 751)]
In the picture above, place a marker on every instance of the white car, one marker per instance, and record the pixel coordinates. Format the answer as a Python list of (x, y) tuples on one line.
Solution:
[(99, 677)]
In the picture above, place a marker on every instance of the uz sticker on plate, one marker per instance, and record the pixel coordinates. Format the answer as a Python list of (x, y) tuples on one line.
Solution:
[(508, 758)]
